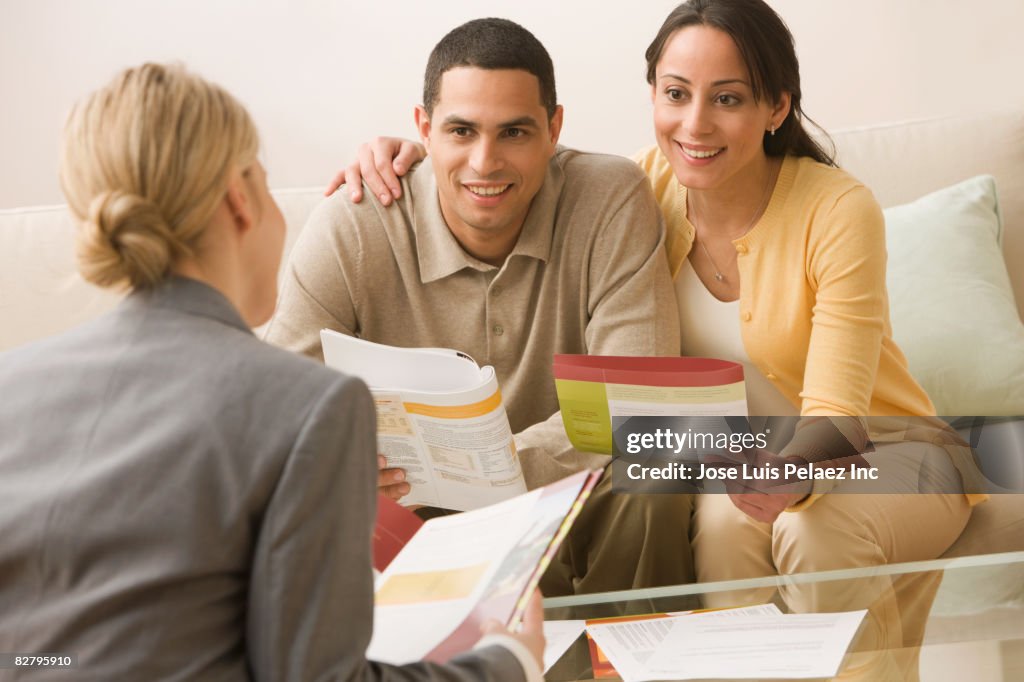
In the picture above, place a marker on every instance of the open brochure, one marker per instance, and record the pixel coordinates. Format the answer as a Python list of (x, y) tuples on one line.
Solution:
[(461, 570), (593, 390), (440, 417)]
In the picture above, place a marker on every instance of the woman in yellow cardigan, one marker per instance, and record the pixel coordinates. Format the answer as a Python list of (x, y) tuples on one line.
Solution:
[(779, 261)]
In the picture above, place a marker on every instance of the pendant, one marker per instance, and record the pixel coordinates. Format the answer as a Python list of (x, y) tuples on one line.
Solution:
[(719, 276)]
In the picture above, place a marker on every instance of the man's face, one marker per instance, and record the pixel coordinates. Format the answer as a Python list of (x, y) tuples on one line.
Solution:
[(490, 142)]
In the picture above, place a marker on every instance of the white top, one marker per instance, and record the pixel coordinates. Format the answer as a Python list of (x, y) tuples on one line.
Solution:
[(710, 328)]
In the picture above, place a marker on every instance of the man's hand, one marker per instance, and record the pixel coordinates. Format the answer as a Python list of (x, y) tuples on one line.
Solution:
[(379, 163), (391, 482), (531, 630)]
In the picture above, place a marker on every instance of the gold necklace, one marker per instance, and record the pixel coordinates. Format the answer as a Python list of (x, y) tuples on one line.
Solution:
[(692, 210), (718, 273)]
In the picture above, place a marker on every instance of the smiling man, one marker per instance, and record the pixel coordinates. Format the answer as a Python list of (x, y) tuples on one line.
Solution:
[(511, 249)]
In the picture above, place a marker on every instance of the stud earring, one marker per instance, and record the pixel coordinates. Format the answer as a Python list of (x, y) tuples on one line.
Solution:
[(771, 131)]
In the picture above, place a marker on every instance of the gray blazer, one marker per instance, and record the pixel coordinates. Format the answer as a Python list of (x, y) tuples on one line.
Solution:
[(179, 500)]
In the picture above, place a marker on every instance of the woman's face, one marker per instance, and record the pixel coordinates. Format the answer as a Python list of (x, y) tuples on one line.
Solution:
[(706, 120)]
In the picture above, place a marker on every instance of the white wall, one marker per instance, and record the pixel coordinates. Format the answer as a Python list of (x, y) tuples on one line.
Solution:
[(321, 75)]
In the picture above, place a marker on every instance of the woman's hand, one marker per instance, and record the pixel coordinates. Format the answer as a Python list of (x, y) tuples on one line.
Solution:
[(763, 499), (531, 631), (379, 163)]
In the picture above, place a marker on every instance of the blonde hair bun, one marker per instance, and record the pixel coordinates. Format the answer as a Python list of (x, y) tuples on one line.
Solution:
[(126, 238), (145, 163)]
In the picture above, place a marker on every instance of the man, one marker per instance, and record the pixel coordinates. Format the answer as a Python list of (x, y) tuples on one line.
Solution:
[(510, 249)]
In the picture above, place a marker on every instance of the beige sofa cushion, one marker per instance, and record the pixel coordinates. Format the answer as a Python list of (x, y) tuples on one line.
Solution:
[(41, 292)]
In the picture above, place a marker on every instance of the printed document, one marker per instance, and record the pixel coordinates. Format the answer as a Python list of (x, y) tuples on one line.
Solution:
[(440, 417), (787, 646), (622, 646)]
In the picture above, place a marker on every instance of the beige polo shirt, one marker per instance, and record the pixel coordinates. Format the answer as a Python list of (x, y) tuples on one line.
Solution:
[(587, 275)]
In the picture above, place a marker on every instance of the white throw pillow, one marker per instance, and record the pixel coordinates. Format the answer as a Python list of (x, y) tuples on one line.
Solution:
[(952, 307)]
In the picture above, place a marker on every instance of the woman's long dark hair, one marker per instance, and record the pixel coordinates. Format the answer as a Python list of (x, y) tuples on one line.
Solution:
[(767, 48)]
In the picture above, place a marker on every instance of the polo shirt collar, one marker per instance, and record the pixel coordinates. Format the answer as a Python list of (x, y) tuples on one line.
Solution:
[(439, 254)]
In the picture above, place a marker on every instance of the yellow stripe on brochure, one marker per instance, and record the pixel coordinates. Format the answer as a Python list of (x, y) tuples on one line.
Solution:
[(456, 411)]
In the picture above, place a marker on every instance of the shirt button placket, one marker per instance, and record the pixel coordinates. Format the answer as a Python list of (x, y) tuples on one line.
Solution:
[(495, 329)]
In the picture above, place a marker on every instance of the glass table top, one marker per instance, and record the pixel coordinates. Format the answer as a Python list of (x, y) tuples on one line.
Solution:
[(947, 619)]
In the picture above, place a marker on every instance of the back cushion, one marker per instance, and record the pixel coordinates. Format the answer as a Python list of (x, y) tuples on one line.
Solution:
[(41, 292), (904, 161)]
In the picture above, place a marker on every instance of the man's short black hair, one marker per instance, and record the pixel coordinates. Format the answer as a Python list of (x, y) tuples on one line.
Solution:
[(490, 44)]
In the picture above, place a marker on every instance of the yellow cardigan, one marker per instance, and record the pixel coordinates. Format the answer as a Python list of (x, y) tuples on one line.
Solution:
[(816, 323)]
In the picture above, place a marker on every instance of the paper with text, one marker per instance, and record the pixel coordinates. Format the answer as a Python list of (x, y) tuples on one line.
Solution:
[(789, 646), (440, 417), (625, 644)]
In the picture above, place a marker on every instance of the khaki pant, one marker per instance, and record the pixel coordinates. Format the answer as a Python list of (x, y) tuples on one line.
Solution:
[(844, 529), (623, 542)]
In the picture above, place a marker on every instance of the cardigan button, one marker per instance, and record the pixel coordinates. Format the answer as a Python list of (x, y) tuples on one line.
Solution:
[(770, 377), (741, 249), (746, 316)]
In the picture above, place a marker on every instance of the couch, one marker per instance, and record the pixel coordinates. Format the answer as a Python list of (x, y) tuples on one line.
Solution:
[(41, 294)]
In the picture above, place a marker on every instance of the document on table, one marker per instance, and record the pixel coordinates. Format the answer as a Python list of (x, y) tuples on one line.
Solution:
[(803, 645), (559, 636), (629, 642)]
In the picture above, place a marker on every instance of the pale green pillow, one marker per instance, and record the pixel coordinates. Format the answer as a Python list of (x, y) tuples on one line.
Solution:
[(952, 307)]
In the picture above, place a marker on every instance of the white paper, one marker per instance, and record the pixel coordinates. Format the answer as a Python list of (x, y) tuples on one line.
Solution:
[(559, 636), (430, 370), (803, 645), (629, 645)]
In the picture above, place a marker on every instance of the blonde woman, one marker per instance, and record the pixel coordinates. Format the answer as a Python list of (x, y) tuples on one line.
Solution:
[(181, 500)]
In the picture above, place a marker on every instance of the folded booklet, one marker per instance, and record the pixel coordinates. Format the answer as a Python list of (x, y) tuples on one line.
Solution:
[(440, 417), (461, 570), (593, 390)]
